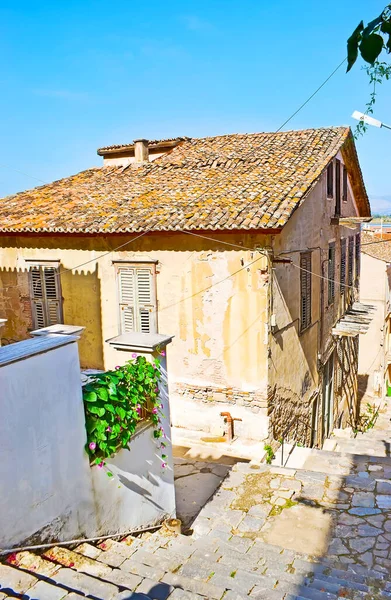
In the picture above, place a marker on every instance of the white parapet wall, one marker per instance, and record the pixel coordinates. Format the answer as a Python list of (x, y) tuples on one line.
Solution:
[(48, 491)]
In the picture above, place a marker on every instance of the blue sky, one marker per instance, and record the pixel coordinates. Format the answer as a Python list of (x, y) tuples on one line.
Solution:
[(77, 75)]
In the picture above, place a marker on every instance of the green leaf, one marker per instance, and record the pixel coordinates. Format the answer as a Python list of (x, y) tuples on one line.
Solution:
[(102, 393), (110, 408), (352, 44), (120, 412), (112, 389), (90, 396), (386, 27), (109, 474), (97, 410), (372, 25), (371, 46)]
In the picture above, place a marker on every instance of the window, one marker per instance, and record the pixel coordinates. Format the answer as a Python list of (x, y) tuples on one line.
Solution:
[(305, 290), (330, 180), (358, 251), (350, 256), (331, 273), (345, 185), (137, 297), (343, 267), (45, 295), (337, 187)]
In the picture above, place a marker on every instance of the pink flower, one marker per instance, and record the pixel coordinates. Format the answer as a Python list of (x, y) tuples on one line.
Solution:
[(92, 445), (163, 353), (164, 465), (117, 367), (108, 429), (100, 465), (156, 389), (138, 409), (161, 406), (134, 355), (154, 410)]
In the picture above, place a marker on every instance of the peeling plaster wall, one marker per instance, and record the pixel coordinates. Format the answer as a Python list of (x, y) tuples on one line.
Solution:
[(220, 347), (294, 378)]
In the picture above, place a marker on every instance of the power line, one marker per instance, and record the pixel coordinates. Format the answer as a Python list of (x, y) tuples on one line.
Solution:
[(23, 173), (312, 95)]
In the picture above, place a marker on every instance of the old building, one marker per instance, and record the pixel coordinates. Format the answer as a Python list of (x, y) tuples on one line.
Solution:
[(246, 247), (374, 356)]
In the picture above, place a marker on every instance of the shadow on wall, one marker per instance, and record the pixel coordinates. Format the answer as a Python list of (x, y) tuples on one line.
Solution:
[(363, 383)]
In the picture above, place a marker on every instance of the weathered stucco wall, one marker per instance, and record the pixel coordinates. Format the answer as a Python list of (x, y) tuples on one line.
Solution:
[(296, 359), (374, 290), (213, 303)]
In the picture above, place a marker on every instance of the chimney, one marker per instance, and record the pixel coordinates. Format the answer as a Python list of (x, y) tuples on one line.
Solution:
[(141, 153)]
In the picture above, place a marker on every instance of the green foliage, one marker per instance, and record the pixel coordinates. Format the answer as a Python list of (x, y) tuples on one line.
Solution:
[(269, 453), (367, 420), (114, 403), (370, 42)]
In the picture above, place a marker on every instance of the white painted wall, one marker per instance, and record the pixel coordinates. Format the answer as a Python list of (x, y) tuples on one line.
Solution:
[(373, 290), (47, 489)]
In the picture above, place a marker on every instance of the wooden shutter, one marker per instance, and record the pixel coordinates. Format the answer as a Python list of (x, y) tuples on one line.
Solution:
[(350, 266), (343, 267), (331, 273), (305, 290), (337, 187), (52, 296), (330, 180), (358, 253), (45, 294), (137, 299)]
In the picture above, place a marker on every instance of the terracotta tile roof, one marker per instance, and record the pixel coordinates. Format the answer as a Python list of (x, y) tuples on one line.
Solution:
[(238, 181), (382, 250)]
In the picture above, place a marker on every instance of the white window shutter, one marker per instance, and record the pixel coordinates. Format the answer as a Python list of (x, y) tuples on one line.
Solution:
[(127, 319), (146, 309), (126, 286), (137, 299)]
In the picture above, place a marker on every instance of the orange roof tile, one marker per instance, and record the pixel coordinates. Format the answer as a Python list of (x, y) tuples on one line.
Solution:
[(238, 181)]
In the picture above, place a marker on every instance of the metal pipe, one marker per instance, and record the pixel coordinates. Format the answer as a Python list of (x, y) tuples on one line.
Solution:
[(81, 541), (230, 422)]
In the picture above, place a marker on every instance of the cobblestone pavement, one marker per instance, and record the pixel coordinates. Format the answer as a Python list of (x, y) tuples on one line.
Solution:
[(268, 533)]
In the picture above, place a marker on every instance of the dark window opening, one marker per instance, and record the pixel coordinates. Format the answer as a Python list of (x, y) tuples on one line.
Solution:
[(330, 180), (337, 188)]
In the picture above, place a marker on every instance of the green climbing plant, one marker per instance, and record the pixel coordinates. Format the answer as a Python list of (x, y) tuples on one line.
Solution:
[(116, 401)]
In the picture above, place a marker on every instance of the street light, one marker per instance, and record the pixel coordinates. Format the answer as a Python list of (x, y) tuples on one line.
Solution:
[(368, 120)]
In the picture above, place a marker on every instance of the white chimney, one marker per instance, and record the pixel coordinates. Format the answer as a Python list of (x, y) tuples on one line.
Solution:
[(141, 153)]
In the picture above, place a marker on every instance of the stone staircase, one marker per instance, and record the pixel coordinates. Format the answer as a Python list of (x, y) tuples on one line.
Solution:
[(212, 566), (320, 530)]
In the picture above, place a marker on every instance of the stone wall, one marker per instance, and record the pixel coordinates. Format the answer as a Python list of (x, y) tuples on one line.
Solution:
[(255, 400), (290, 415)]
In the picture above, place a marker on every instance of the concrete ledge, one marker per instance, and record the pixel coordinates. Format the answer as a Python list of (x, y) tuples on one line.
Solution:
[(141, 342), (37, 345), (59, 329)]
